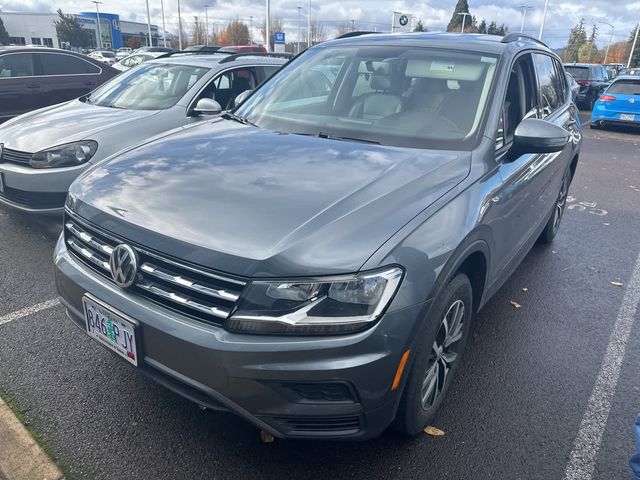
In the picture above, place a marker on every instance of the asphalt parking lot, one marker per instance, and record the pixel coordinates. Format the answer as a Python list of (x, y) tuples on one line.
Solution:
[(532, 387)]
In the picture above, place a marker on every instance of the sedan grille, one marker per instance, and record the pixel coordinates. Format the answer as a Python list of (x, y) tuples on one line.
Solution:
[(15, 156), (189, 290)]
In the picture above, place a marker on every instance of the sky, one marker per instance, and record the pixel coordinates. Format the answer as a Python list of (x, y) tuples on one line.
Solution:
[(368, 14)]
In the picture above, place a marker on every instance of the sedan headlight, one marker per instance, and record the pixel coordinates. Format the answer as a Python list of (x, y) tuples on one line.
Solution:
[(315, 307), (68, 155)]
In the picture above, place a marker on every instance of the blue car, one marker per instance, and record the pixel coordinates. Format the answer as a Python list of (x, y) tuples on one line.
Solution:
[(619, 104)]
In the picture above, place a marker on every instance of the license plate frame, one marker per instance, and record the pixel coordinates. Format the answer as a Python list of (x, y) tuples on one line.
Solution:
[(126, 345), (627, 117)]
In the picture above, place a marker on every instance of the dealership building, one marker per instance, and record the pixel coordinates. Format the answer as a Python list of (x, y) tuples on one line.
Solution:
[(39, 29)]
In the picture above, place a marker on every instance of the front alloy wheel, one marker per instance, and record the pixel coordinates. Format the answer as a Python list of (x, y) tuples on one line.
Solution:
[(552, 227)]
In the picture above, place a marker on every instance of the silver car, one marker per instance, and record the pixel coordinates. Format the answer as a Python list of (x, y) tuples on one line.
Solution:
[(43, 151)]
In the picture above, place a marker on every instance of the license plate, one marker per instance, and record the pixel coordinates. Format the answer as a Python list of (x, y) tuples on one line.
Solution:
[(627, 117), (110, 329)]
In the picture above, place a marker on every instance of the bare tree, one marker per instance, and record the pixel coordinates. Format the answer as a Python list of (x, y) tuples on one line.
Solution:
[(198, 33), (317, 32), (275, 25), (344, 28)]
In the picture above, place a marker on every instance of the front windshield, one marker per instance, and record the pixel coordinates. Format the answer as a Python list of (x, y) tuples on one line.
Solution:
[(401, 96), (151, 86)]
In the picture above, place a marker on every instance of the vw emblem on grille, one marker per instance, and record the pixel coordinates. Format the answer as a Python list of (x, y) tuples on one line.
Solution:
[(124, 265)]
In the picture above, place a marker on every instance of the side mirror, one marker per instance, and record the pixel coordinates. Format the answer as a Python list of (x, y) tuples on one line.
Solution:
[(207, 106), (241, 97), (539, 136)]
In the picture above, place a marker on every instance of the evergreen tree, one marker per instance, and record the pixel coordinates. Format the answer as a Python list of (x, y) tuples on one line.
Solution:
[(4, 35), (635, 58), (492, 29), (419, 27), (69, 30), (483, 27), (577, 37), (456, 20)]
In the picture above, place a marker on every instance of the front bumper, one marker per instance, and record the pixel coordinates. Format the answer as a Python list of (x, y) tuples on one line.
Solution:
[(36, 190), (297, 387)]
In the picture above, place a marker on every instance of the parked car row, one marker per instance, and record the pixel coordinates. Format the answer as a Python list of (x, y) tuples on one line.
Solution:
[(619, 104), (311, 259)]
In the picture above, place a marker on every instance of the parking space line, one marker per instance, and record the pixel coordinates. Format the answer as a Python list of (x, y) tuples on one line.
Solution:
[(29, 311), (585, 449)]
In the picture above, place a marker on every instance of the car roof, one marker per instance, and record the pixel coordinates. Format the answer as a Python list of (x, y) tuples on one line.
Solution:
[(626, 77), (210, 60), (582, 65), (468, 41)]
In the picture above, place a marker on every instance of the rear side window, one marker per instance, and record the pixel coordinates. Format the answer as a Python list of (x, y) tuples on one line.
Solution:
[(60, 64), (551, 93), (16, 65), (625, 87)]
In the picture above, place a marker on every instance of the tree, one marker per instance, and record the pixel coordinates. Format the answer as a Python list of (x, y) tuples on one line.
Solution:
[(198, 33), (419, 27), (483, 27), (635, 58), (343, 28), (577, 37), (455, 24), (4, 35), (236, 33), (69, 30), (275, 25), (317, 32), (587, 51)]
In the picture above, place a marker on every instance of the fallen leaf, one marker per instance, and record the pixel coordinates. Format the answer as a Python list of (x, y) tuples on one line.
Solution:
[(266, 437), (525, 289), (617, 284), (516, 304), (436, 432)]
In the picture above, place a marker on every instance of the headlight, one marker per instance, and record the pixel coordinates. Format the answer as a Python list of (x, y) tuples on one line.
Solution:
[(67, 155), (315, 307)]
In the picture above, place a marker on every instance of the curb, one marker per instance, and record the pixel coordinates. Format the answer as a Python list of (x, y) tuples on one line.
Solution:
[(21, 458)]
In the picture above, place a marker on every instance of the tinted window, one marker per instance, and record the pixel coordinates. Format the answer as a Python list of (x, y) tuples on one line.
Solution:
[(562, 82), (579, 73), (551, 94), (625, 87), (60, 64), (270, 70), (416, 97), (16, 65)]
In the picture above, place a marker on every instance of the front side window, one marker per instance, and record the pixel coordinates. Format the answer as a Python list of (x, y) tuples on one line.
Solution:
[(548, 82), (403, 96), (16, 65), (150, 86), (62, 64), (228, 85)]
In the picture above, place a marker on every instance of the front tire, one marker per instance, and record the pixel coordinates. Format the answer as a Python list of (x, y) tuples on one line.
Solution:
[(553, 225), (438, 351)]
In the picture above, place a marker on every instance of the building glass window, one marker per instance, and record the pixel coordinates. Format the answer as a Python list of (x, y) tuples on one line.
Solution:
[(48, 42), (36, 41), (17, 41)]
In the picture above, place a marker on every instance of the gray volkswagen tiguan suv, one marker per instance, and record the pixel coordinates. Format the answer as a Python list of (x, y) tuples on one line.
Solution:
[(312, 261)]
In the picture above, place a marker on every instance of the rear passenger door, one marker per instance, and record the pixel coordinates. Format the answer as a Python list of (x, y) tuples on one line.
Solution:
[(68, 77), (18, 85)]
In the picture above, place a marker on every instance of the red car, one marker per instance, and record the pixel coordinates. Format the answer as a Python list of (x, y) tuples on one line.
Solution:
[(32, 78), (243, 49)]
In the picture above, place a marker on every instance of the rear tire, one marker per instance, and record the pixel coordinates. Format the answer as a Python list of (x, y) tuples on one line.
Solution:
[(438, 351), (553, 225)]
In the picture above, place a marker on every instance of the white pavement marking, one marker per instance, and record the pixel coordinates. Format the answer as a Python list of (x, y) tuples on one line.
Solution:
[(29, 311), (585, 449)]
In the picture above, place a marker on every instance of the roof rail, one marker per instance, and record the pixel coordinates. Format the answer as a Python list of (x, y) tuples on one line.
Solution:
[(515, 36), (354, 34), (233, 56)]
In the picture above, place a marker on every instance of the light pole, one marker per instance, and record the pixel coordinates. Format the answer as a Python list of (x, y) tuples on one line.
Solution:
[(309, 26), (149, 25), (299, 8), (544, 18), (267, 33), (206, 24), (251, 30), (525, 9), (99, 45), (353, 25), (633, 47), (610, 38), (179, 27), (464, 18), (164, 33)]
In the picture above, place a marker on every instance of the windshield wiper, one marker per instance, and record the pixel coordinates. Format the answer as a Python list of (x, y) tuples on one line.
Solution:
[(238, 118), (338, 137)]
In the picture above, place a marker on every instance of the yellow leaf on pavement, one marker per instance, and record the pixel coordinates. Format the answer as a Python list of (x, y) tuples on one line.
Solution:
[(617, 284), (525, 289), (436, 432), (515, 304)]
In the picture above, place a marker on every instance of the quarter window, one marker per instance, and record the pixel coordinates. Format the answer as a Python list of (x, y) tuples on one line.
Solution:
[(16, 65), (59, 64), (549, 83)]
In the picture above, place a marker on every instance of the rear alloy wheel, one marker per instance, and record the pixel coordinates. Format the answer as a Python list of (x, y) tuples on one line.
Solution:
[(553, 225), (437, 354)]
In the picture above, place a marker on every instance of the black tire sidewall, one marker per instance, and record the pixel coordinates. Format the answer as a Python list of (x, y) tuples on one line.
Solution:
[(411, 417)]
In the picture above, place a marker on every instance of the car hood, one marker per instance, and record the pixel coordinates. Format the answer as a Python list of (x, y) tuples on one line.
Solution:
[(64, 123), (252, 202)]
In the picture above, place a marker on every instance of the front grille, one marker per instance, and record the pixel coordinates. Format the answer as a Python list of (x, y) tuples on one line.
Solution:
[(343, 425), (189, 290), (37, 200), (15, 156)]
